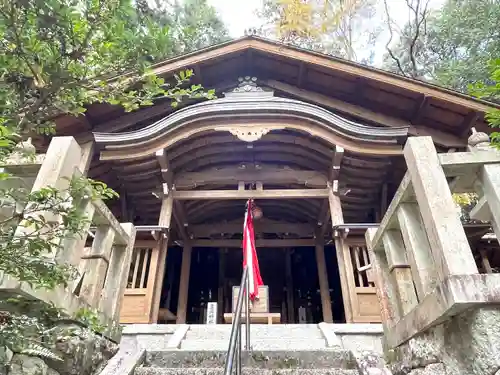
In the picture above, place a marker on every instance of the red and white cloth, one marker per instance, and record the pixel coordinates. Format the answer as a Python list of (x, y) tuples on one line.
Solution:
[(250, 254)]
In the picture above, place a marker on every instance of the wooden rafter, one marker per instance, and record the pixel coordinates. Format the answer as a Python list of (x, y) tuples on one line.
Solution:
[(420, 109), (469, 122), (323, 62), (439, 137), (126, 121), (302, 74)]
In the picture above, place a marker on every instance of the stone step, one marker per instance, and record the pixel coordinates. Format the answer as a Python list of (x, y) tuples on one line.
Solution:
[(258, 331), (275, 359), (245, 371), (258, 344), (255, 334), (266, 327)]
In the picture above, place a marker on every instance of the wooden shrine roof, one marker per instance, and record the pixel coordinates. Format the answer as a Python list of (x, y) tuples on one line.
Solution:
[(355, 92)]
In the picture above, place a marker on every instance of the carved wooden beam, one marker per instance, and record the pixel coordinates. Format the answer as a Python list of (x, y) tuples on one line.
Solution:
[(260, 226), (166, 171), (247, 194), (336, 162), (249, 174), (258, 243), (178, 209)]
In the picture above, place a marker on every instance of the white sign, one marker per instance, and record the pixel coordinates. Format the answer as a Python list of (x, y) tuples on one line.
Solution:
[(212, 313)]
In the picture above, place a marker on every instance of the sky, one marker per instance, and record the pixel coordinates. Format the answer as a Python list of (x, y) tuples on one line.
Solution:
[(240, 15)]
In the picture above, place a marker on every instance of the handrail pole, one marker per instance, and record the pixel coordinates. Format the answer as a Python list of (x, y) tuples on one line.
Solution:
[(238, 352), (232, 350), (247, 313)]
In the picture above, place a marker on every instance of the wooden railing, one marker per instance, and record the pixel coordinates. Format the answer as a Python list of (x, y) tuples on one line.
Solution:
[(423, 265), (104, 265)]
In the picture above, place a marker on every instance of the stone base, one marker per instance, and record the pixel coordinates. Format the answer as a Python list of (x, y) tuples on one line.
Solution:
[(466, 344), (80, 352)]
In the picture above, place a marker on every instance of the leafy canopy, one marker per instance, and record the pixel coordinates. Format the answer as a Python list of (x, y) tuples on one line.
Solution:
[(56, 58), (330, 26), (452, 46), (59, 55)]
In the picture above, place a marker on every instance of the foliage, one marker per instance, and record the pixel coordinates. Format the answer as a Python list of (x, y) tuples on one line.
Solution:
[(59, 55), (466, 202), (330, 26), (450, 46), (56, 58), (193, 23), (490, 90)]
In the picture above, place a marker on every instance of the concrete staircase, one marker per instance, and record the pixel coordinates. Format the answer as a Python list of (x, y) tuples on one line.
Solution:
[(263, 337), (331, 362), (276, 350)]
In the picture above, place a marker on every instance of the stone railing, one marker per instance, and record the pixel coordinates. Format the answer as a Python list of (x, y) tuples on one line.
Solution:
[(424, 266), (103, 267)]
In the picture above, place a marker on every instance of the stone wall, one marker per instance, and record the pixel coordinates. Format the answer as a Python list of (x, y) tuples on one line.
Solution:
[(466, 344), (76, 351)]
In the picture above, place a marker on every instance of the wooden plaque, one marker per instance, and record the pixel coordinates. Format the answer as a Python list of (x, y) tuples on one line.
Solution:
[(259, 306)]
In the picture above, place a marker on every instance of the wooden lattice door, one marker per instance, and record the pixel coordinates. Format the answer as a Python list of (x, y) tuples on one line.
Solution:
[(138, 298), (361, 284)]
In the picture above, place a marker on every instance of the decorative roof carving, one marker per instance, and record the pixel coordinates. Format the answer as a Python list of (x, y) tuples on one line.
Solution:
[(249, 134), (478, 141), (248, 87)]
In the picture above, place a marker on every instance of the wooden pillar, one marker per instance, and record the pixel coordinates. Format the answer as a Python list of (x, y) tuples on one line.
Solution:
[(165, 220), (289, 287), (220, 291), (184, 284), (324, 288), (337, 219)]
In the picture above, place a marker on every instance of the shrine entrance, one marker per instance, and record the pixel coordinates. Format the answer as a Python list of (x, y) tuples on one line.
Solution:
[(291, 275), (309, 170)]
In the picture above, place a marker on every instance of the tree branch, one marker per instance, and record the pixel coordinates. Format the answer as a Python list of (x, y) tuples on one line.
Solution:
[(391, 33)]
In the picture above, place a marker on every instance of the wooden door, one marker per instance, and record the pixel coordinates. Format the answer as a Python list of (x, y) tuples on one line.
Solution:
[(138, 298), (361, 284)]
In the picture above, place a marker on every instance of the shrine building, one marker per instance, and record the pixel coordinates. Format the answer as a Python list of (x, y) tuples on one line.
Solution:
[(316, 141)]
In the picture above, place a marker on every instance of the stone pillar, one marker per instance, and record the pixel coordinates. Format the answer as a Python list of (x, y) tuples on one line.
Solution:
[(387, 294), (400, 270), (165, 220), (418, 249), (86, 158), (447, 239), (324, 288), (184, 284)]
